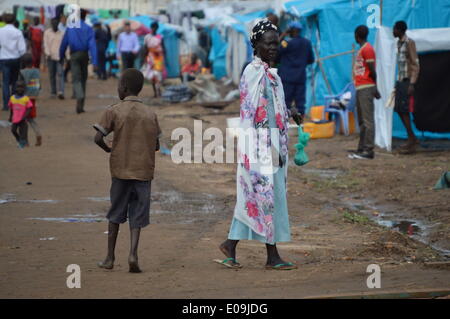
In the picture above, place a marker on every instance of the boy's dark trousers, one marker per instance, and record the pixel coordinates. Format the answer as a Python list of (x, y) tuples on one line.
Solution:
[(22, 135)]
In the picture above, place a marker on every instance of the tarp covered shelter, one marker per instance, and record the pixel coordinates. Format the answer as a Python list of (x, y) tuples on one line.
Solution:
[(330, 25), (432, 97)]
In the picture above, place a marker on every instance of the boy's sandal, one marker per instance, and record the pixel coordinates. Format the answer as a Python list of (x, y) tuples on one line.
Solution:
[(229, 263), (283, 266)]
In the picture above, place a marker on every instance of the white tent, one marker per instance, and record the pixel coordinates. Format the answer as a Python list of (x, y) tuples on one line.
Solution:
[(386, 51)]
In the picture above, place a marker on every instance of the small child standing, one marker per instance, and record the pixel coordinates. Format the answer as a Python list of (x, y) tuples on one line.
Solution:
[(132, 162), (31, 76), (20, 107)]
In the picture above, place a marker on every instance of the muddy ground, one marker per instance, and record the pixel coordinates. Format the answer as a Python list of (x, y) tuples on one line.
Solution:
[(344, 215)]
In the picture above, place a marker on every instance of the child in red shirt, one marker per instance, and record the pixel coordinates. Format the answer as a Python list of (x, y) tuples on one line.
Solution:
[(20, 107)]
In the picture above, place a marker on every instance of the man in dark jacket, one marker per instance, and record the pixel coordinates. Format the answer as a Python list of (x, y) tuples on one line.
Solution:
[(102, 38), (295, 54)]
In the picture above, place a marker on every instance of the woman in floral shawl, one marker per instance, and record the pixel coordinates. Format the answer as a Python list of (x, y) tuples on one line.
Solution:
[(261, 211)]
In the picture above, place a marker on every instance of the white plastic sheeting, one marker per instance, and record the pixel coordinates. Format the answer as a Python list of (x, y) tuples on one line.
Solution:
[(431, 39), (386, 51), (236, 54), (7, 5)]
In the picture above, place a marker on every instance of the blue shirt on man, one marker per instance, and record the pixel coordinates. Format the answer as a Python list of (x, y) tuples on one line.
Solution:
[(79, 39), (295, 54), (127, 42)]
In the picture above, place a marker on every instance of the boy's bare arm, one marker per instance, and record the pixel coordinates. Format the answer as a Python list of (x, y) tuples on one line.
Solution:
[(101, 142)]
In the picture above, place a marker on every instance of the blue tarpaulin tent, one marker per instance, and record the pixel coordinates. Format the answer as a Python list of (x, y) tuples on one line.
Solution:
[(221, 43), (218, 54)]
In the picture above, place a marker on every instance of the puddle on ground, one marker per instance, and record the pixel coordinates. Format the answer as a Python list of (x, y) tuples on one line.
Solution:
[(323, 173), (76, 218), (70, 219), (5, 124), (11, 198), (98, 199), (174, 206), (48, 238), (175, 202), (395, 220), (406, 227)]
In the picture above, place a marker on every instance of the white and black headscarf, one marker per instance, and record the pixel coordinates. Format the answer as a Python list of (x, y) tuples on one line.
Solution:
[(259, 29)]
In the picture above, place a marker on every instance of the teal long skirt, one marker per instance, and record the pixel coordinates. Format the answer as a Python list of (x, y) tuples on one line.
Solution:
[(240, 231)]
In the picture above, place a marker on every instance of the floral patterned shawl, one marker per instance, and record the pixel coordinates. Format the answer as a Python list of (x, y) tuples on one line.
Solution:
[(256, 141)]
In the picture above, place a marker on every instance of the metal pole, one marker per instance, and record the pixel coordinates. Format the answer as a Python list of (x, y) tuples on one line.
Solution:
[(381, 12)]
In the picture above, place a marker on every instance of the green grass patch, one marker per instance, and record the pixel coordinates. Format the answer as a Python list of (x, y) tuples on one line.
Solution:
[(355, 218)]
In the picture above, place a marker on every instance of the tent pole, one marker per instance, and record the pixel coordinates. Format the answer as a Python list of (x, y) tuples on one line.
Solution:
[(337, 55), (323, 72), (353, 60), (381, 13)]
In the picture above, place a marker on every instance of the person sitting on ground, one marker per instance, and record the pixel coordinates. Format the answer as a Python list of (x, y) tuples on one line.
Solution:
[(136, 139), (191, 69), (20, 107)]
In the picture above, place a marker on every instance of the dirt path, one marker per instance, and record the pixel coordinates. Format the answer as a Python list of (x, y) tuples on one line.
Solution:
[(331, 201)]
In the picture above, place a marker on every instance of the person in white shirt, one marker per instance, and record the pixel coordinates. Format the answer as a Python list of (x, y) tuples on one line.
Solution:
[(12, 47)]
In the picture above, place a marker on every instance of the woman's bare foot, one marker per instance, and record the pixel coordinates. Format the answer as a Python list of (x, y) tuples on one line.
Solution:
[(228, 248), (274, 260), (133, 263)]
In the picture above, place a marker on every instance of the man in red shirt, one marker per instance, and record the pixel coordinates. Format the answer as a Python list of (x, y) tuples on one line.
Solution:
[(365, 80)]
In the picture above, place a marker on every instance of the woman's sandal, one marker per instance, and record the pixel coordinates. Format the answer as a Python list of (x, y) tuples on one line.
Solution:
[(283, 266), (229, 263)]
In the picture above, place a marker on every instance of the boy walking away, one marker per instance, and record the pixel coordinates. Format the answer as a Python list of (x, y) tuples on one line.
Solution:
[(408, 72), (20, 107), (365, 79), (132, 162), (31, 77)]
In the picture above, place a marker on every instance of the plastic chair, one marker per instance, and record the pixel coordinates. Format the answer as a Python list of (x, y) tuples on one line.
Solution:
[(342, 115)]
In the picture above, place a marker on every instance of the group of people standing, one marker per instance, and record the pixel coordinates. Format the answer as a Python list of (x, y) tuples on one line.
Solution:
[(365, 81)]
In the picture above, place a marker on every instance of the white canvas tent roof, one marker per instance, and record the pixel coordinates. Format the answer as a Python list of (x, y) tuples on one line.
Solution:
[(7, 5), (437, 39)]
